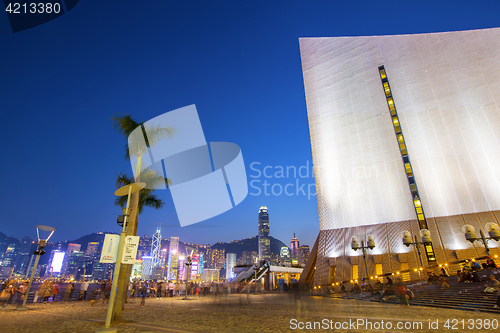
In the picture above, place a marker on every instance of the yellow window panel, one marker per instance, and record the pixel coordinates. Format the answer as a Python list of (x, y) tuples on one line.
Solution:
[(390, 101), (417, 203), (393, 112), (354, 272), (404, 152), (382, 74), (419, 210), (400, 138), (398, 129), (402, 146), (413, 187), (387, 89), (420, 217), (395, 120)]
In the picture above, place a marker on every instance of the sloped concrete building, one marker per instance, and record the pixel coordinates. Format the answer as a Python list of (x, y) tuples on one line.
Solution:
[(405, 135)]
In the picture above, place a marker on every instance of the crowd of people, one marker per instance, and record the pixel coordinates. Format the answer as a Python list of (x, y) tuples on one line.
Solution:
[(13, 293)]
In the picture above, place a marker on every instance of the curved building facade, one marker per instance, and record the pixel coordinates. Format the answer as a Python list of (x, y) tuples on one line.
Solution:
[(405, 134)]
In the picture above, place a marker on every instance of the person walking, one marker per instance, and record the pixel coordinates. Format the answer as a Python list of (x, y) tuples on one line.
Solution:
[(83, 290), (159, 290), (143, 294), (55, 291), (67, 292), (22, 293), (47, 293)]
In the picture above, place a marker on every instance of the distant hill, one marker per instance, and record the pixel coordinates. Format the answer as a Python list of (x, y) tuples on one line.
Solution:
[(85, 240), (248, 244)]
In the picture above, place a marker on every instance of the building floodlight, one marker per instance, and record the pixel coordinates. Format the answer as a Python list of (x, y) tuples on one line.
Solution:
[(493, 230), (426, 236), (407, 238)]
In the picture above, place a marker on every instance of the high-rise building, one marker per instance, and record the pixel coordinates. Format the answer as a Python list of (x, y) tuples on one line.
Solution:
[(156, 247), (405, 137), (92, 249), (218, 258), (147, 267), (230, 263), (303, 254), (76, 265), (294, 247), (23, 255), (9, 257), (173, 259), (285, 259), (210, 274), (264, 240)]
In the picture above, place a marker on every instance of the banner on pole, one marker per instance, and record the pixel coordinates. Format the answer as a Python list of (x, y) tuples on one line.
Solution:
[(109, 248), (130, 249)]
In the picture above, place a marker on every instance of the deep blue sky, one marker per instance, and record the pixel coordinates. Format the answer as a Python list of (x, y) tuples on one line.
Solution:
[(238, 61)]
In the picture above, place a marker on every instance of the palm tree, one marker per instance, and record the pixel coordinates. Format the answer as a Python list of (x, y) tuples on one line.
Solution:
[(125, 125), (146, 196)]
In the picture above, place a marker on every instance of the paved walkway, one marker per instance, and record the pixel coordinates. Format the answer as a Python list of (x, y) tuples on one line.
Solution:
[(264, 313)]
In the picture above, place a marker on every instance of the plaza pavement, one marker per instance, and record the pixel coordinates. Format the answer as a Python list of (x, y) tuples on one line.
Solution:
[(264, 313)]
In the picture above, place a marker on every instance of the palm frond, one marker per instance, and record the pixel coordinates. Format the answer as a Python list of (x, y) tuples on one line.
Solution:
[(158, 133), (150, 200), (124, 124)]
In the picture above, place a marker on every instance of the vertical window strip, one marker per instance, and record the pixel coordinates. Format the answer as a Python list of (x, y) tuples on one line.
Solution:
[(419, 211)]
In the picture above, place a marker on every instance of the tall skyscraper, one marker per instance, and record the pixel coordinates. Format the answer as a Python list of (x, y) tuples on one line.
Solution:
[(72, 247), (303, 254), (23, 255), (92, 249), (294, 247), (264, 240), (230, 263), (156, 247), (173, 258)]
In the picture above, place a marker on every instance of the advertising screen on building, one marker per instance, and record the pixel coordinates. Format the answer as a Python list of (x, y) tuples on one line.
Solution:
[(57, 262)]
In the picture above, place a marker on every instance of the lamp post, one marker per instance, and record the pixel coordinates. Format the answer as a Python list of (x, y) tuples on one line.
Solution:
[(125, 190), (426, 238), (188, 265), (493, 231), (39, 252), (370, 244), (255, 278)]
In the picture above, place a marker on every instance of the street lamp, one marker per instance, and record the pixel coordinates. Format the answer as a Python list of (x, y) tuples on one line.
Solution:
[(370, 244), (493, 231), (255, 278), (39, 252), (426, 238), (188, 265), (122, 221)]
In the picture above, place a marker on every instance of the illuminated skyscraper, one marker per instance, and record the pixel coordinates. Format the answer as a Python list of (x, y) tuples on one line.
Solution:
[(264, 240), (23, 255), (230, 263), (173, 258), (92, 249), (156, 247), (294, 247)]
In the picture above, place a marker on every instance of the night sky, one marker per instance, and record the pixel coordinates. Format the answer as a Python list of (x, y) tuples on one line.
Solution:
[(238, 61)]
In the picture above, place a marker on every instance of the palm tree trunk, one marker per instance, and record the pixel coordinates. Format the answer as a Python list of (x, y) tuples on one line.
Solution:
[(126, 270)]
